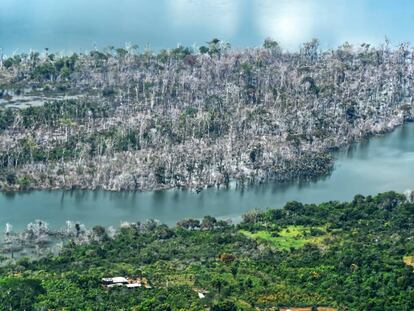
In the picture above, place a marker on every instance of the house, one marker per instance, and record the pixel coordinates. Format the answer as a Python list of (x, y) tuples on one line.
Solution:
[(116, 281), (128, 283), (120, 280)]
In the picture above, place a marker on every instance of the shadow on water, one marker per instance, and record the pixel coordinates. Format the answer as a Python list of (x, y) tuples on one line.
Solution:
[(359, 150), (358, 169), (363, 149), (62, 200), (9, 196)]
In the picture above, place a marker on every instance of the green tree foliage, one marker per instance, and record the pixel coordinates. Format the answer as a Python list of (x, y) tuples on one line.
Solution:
[(350, 256), (19, 293)]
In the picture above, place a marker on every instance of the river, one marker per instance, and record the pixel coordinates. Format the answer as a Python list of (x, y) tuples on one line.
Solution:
[(379, 164), (79, 25)]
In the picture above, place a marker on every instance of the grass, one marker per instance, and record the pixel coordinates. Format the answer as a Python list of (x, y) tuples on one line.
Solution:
[(289, 237), (409, 260)]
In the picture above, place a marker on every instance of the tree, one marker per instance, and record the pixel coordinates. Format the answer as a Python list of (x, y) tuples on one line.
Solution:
[(226, 305), (11, 178), (159, 173), (121, 53), (189, 223), (19, 294), (272, 45), (204, 50), (208, 222), (100, 232), (227, 258), (218, 284), (309, 50)]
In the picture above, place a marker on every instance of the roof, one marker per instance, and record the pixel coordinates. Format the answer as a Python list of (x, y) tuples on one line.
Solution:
[(115, 280), (119, 280), (201, 295)]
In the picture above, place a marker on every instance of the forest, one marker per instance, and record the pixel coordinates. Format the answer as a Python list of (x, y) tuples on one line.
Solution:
[(135, 119), (356, 255)]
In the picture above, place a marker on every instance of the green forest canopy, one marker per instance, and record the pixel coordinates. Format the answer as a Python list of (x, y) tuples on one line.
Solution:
[(347, 256)]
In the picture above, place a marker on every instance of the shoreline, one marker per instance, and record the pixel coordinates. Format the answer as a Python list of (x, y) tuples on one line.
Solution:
[(187, 119), (287, 178)]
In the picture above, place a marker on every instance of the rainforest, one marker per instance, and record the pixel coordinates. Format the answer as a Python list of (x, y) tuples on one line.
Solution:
[(215, 155), (354, 255)]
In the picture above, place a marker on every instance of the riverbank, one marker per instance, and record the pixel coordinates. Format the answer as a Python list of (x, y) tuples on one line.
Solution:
[(380, 163), (303, 255), (196, 119)]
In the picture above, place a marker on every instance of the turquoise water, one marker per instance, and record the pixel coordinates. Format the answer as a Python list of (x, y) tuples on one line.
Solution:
[(79, 25), (380, 164)]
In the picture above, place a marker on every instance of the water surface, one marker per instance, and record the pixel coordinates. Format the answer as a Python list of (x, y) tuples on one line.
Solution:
[(380, 164), (78, 25)]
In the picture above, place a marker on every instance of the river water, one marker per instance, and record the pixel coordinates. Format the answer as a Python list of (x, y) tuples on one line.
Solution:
[(379, 164), (79, 25)]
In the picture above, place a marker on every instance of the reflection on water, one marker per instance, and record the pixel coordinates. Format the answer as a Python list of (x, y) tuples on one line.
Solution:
[(79, 25), (384, 163)]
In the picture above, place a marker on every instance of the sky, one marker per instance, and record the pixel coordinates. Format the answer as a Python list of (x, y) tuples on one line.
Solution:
[(76, 25)]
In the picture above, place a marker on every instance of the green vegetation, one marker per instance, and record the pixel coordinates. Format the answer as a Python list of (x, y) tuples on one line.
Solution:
[(348, 256), (289, 237)]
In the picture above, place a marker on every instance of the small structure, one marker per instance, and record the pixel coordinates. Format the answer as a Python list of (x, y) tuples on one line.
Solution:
[(201, 293), (201, 296), (128, 283), (120, 280), (116, 281)]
